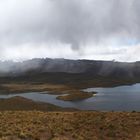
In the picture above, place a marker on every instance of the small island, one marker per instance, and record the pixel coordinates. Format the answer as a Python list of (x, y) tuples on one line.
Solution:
[(76, 96)]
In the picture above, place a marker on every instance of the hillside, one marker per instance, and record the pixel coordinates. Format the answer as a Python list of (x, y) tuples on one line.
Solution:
[(35, 125), (96, 68)]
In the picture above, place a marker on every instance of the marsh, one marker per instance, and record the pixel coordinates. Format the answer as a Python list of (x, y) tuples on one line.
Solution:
[(121, 98)]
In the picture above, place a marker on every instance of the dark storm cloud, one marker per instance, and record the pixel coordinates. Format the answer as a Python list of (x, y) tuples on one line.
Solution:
[(73, 22)]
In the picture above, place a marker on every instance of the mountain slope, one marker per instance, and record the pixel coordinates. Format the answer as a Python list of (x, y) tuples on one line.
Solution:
[(96, 68)]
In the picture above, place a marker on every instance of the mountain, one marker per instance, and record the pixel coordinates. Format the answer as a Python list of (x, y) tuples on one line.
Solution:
[(96, 68)]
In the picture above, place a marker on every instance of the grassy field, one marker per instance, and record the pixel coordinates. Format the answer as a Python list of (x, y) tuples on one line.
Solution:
[(34, 125), (81, 80), (29, 87), (72, 93), (75, 95), (59, 83), (23, 119), (19, 103)]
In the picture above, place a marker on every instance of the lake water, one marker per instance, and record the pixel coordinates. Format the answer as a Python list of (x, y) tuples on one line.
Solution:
[(122, 98)]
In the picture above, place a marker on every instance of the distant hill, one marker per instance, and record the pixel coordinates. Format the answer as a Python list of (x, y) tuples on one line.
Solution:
[(96, 68)]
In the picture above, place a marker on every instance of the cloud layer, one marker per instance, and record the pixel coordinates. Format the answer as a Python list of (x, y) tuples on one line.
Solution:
[(75, 29)]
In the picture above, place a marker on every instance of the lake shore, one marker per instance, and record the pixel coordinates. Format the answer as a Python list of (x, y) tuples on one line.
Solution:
[(18, 103), (26, 119), (64, 93), (76, 96)]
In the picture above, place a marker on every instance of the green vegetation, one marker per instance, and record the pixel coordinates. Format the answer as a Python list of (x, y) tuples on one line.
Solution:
[(33, 125)]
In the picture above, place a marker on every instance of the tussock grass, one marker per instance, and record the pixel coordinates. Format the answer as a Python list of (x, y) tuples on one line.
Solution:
[(75, 95), (37, 125)]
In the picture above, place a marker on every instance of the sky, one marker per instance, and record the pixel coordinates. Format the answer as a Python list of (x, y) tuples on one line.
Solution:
[(71, 29)]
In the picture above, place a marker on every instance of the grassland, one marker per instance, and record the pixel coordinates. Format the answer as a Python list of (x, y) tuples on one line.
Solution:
[(29, 87), (23, 119), (34, 125), (79, 81), (72, 93), (75, 95), (59, 83), (22, 104)]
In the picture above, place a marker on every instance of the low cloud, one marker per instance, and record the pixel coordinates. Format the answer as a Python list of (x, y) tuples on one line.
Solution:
[(75, 29)]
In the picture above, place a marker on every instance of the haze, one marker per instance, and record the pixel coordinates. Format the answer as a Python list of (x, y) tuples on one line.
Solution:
[(74, 29)]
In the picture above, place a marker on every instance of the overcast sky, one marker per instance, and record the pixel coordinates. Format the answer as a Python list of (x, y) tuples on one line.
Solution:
[(73, 29)]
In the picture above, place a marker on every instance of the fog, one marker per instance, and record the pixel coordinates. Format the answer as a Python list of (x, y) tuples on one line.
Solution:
[(75, 29)]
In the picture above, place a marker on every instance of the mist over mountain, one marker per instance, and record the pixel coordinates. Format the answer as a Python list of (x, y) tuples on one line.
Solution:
[(75, 29), (97, 68)]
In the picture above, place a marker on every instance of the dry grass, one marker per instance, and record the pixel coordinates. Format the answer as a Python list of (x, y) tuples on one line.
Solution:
[(15, 88), (75, 95), (72, 93), (20, 103), (69, 125)]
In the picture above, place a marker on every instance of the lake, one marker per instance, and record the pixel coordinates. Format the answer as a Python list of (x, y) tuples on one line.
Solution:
[(122, 98)]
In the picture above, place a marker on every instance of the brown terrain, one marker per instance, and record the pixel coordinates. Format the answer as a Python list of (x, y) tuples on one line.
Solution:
[(36, 125)]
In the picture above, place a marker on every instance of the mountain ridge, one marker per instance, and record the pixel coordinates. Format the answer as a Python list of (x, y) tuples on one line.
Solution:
[(94, 67)]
